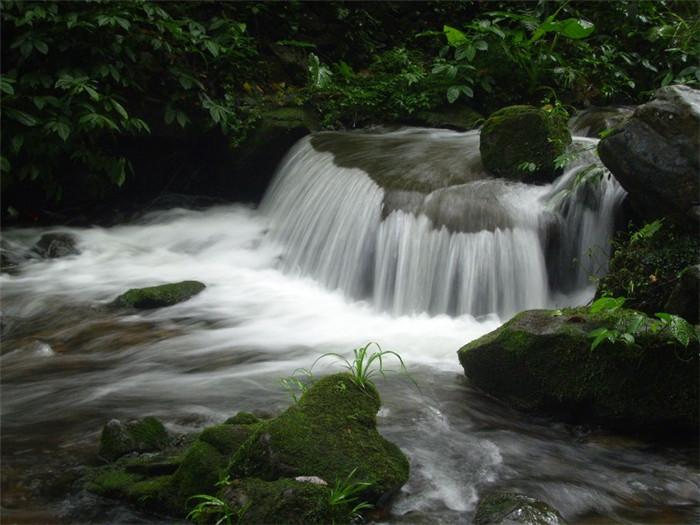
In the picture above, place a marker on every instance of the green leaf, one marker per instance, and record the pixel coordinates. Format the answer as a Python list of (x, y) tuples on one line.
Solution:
[(481, 45), (119, 109), (21, 117), (454, 36), (574, 28), (4, 164), (6, 85), (452, 94), (212, 47), (607, 304), (17, 142), (41, 47)]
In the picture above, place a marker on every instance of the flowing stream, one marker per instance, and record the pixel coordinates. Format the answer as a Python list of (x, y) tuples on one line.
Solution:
[(331, 260)]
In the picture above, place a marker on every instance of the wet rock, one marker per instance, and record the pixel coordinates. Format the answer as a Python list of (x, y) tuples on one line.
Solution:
[(159, 296), (541, 360), (656, 156), (516, 136), (140, 435), (242, 418), (454, 116), (591, 122), (507, 508), (54, 245), (330, 433), (685, 296)]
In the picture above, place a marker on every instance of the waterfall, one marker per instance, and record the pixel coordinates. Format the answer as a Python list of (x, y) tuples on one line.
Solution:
[(410, 220)]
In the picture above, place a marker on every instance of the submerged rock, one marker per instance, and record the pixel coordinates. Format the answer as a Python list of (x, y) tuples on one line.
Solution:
[(522, 142), (159, 296), (508, 508), (139, 435), (541, 360), (656, 156), (54, 245)]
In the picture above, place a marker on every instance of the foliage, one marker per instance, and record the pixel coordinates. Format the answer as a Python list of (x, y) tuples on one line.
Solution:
[(346, 491), (366, 364), (211, 506), (141, 65), (297, 386), (630, 325)]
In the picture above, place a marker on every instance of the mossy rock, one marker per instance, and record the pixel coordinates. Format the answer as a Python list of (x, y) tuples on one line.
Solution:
[(140, 435), (508, 508), (541, 360), (329, 433), (517, 135), (283, 501), (159, 296), (456, 117), (242, 418)]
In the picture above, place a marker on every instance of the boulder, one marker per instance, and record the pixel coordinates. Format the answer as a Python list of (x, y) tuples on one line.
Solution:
[(542, 361), (655, 156), (329, 433), (139, 435), (54, 245), (522, 142), (159, 296), (508, 508), (593, 121), (454, 116), (685, 296)]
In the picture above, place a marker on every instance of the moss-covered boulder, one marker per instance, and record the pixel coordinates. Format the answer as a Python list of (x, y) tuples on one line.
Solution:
[(330, 433), (139, 435), (541, 360), (285, 501), (521, 143), (159, 296), (508, 508), (648, 270)]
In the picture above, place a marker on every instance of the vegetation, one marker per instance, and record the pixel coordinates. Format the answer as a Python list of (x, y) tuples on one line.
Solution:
[(346, 492)]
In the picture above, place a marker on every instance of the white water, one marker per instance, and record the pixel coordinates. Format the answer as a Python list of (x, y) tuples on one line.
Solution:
[(475, 248)]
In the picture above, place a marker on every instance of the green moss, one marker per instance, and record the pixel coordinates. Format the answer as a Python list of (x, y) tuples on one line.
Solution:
[(159, 296), (330, 432), (523, 134), (242, 418), (200, 470), (541, 360), (143, 435), (506, 507), (283, 501), (226, 438), (112, 482)]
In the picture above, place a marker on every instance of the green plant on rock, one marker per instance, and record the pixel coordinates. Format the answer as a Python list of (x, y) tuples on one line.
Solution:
[(296, 385), (367, 364), (212, 507), (346, 492)]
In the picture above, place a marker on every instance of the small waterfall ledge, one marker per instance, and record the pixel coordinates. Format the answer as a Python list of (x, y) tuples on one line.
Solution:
[(475, 246)]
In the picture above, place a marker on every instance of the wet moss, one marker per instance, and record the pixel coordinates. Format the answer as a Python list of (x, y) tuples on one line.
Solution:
[(329, 433), (142, 435), (159, 296), (503, 508), (542, 361), (523, 134), (201, 468), (226, 438)]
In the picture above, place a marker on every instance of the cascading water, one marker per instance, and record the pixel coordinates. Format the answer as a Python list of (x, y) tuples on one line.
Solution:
[(410, 219)]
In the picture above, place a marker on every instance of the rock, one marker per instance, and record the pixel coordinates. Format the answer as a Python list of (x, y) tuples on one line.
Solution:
[(159, 296), (242, 418), (646, 270), (507, 508), (54, 245), (516, 135), (454, 116), (329, 433), (140, 435), (656, 156), (541, 361), (591, 122), (683, 300)]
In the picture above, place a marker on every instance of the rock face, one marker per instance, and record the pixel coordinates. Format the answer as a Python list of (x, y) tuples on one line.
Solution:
[(541, 360), (159, 296), (507, 508), (281, 470), (518, 135), (141, 435), (656, 156), (54, 245), (684, 300)]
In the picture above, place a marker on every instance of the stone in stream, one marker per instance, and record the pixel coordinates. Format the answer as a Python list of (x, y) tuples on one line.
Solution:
[(655, 156), (58, 244), (139, 435), (542, 361), (522, 142), (159, 296), (508, 508)]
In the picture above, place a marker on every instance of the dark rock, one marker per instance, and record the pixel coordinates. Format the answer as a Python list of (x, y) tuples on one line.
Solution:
[(656, 156), (685, 296), (516, 135), (54, 245), (454, 116), (541, 360), (159, 296), (140, 435), (591, 122), (507, 508)]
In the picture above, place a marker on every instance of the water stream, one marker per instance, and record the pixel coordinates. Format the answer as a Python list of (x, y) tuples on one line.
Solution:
[(331, 261)]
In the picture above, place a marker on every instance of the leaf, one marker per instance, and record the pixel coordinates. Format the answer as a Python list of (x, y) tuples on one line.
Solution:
[(468, 92), (22, 117), (4, 164), (468, 52), (606, 304), (6, 85), (481, 45), (212, 47), (452, 94), (119, 109), (17, 142), (454, 36), (41, 47), (574, 28)]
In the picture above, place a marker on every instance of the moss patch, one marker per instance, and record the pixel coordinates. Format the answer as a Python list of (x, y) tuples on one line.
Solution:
[(503, 508), (523, 134), (330, 432), (242, 418), (159, 296), (225, 438), (142, 435), (541, 360)]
